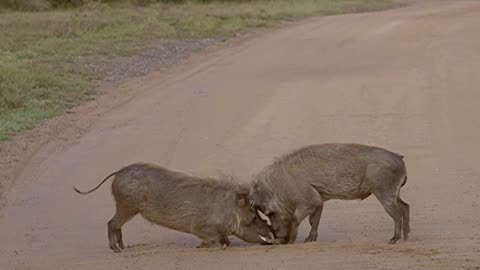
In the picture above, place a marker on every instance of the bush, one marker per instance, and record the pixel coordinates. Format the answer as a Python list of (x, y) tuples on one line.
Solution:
[(67, 3), (38, 5), (25, 5)]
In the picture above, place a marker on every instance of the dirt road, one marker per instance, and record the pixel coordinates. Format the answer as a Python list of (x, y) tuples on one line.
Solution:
[(406, 79)]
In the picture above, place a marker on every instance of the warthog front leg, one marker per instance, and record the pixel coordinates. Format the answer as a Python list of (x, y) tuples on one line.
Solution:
[(314, 221), (293, 232), (211, 243), (299, 215), (211, 238), (225, 242)]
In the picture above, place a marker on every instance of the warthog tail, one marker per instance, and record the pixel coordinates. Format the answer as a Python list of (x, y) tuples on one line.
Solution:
[(101, 183)]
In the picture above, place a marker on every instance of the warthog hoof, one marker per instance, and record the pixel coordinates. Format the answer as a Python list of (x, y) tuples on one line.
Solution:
[(311, 238), (115, 249), (212, 244), (393, 241)]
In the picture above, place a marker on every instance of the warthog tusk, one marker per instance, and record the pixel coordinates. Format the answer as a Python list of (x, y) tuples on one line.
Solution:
[(269, 241), (264, 217)]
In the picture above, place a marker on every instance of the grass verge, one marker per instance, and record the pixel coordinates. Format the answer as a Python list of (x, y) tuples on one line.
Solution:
[(38, 50)]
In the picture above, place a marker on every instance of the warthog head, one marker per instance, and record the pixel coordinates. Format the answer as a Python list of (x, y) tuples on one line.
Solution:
[(269, 211), (253, 227)]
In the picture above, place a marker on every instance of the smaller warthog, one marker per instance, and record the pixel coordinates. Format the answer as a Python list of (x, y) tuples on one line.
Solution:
[(208, 208), (296, 186)]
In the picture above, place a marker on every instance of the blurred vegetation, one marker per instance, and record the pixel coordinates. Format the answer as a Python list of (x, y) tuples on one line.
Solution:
[(38, 50)]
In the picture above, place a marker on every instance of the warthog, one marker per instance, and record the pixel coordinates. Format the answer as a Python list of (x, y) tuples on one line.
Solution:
[(208, 208), (296, 186)]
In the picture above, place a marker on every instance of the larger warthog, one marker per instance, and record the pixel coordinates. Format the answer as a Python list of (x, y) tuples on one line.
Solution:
[(208, 208), (296, 186)]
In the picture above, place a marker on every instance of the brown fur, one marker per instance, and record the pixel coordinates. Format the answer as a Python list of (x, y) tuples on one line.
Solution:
[(208, 208), (296, 185)]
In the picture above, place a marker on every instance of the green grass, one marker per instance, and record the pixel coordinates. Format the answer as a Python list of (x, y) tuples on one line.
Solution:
[(37, 49)]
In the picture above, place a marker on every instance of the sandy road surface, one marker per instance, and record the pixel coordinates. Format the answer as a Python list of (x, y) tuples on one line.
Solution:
[(407, 79)]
